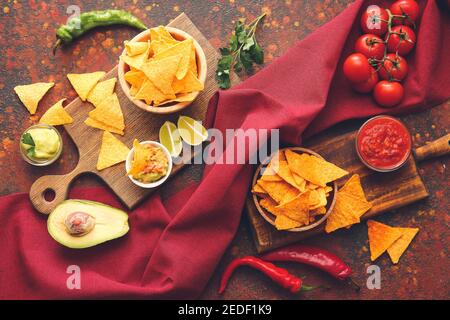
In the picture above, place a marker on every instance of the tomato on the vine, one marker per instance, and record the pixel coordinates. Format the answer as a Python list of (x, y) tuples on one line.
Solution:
[(401, 40), (394, 67), (388, 93), (370, 45), (374, 20), (366, 86), (357, 68), (409, 9)]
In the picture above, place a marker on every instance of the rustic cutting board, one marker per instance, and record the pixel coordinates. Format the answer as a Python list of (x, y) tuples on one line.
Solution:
[(139, 124), (386, 191)]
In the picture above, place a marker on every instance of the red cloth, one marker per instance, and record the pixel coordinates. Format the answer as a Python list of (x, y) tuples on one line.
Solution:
[(171, 251)]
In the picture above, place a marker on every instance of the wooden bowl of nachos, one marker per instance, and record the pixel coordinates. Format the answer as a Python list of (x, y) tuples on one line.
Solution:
[(162, 70), (287, 200)]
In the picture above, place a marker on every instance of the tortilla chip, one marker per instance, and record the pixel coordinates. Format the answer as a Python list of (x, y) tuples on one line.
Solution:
[(280, 191), (269, 204), (102, 126), (270, 175), (139, 158), (193, 62), (285, 173), (135, 78), (162, 73), (354, 187), (56, 115), (381, 237), (184, 49), (321, 200), (184, 97), (109, 112), (189, 83), (101, 91), (136, 61), (396, 249), (31, 94), (112, 151), (296, 209), (318, 211), (134, 48), (258, 190), (299, 181), (347, 211), (161, 32), (284, 223), (84, 82), (313, 169), (150, 93)]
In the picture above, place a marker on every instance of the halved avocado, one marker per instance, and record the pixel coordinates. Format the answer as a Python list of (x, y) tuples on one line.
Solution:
[(110, 223)]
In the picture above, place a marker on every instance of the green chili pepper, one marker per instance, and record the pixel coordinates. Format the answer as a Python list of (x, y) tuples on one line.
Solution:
[(77, 26)]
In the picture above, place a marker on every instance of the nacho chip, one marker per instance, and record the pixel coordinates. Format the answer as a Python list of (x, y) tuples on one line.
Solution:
[(102, 126), (296, 209), (56, 115), (381, 237), (258, 190), (321, 200), (318, 211), (184, 97), (313, 169), (136, 61), (269, 204), (135, 77), (193, 62), (151, 94), (299, 181), (354, 187), (139, 158), (84, 82), (280, 191), (270, 175), (400, 245), (31, 94), (347, 211), (109, 112), (134, 48), (160, 32), (101, 91), (284, 223), (162, 73), (112, 151), (184, 49), (189, 83), (285, 173)]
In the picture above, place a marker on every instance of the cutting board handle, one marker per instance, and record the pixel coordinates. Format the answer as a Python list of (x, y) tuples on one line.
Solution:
[(434, 148), (56, 184)]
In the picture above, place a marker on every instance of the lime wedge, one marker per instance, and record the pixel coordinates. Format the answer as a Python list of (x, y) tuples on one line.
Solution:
[(192, 132), (169, 137)]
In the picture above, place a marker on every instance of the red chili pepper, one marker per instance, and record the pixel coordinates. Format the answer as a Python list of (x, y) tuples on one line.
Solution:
[(315, 257), (279, 275)]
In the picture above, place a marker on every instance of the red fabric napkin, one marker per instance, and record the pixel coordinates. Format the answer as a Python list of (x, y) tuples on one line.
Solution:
[(172, 248)]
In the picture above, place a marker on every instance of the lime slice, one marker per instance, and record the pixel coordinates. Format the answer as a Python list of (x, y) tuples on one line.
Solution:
[(192, 132), (170, 138)]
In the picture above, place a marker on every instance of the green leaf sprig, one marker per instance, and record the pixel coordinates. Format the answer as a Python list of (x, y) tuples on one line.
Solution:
[(28, 139), (242, 53)]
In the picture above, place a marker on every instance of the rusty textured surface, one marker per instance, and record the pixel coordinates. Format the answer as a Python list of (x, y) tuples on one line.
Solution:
[(26, 36)]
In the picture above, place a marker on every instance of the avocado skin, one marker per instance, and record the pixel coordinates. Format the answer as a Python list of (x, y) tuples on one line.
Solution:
[(111, 223)]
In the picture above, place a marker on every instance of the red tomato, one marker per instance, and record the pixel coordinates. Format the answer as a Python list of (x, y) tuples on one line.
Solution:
[(374, 20), (394, 67), (366, 86), (388, 93), (357, 68), (402, 40), (409, 9), (371, 46)]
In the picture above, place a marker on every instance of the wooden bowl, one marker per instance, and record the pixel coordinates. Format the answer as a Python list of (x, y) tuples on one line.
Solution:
[(269, 217), (176, 106)]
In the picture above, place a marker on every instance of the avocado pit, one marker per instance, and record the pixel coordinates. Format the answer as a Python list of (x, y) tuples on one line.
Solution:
[(79, 223)]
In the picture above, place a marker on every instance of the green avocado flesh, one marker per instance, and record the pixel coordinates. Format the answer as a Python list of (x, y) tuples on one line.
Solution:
[(110, 223)]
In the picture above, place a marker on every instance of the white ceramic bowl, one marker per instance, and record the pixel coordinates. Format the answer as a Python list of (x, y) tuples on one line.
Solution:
[(149, 184)]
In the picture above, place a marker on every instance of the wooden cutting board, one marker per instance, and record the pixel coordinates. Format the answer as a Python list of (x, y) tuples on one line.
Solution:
[(386, 191), (139, 124)]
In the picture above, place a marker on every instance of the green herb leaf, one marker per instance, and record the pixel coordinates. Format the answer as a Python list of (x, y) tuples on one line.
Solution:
[(243, 52), (27, 139)]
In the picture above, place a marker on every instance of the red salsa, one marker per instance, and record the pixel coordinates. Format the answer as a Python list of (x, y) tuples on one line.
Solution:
[(383, 143)]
